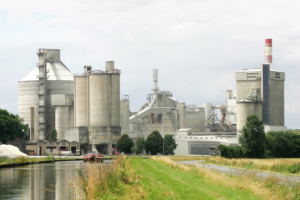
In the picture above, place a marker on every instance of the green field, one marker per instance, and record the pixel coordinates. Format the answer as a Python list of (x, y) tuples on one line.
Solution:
[(163, 182)]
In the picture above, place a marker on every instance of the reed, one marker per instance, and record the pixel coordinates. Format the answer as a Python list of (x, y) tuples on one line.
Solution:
[(113, 181), (270, 188)]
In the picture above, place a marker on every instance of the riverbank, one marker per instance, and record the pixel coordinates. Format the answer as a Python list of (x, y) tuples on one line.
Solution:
[(20, 161)]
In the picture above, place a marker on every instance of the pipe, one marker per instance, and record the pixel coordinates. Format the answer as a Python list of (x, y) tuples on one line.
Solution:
[(152, 102), (144, 105)]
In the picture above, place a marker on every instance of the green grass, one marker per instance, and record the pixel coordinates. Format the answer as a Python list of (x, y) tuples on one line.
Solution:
[(162, 182)]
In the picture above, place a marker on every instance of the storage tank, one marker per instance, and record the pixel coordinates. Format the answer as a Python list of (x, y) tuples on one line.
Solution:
[(115, 99), (99, 99), (50, 76), (61, 121), (80, 101), (244, 108), (207, 110)]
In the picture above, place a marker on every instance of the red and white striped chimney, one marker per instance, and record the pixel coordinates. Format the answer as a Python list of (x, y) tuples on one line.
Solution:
[(269, 52)]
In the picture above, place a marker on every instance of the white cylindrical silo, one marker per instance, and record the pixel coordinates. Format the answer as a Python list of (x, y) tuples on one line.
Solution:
[(80, 101), (207, 109), (61, 121), (115, 100), (99, 100), (244, 108)]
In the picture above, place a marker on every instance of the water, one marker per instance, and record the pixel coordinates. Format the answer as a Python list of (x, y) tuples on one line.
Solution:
[(39, 181)]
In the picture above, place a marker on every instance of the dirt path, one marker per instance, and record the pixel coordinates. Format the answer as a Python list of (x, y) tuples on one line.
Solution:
[(236, 171)]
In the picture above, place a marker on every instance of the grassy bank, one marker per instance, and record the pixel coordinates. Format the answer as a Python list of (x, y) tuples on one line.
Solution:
[(163, 181), (115, 181), (28, 160), (163, 178)]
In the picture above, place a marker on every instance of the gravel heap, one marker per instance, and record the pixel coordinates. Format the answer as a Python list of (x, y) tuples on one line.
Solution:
[(9, 151)]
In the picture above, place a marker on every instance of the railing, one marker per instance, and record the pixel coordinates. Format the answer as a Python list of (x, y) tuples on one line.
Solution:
[(115, 71)]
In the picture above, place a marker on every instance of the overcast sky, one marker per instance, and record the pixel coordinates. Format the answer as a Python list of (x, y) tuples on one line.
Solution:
[(196, 45)]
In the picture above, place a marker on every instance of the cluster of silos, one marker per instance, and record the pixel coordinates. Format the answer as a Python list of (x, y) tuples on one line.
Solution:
[(97, 104), (50, 76)]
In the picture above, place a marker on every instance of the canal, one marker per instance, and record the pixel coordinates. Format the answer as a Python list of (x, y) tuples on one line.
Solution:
[(39, 181)]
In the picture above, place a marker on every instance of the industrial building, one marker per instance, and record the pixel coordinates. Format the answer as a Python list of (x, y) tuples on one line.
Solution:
[(86, 108), (164, 113), (199, 145), (50, 76), (83, 108), (97, 108), (260, 91)]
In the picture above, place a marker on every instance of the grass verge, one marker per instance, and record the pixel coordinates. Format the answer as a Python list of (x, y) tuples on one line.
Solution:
[(268, 189)]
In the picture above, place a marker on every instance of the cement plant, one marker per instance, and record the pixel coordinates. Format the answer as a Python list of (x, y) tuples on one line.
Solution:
[(88, 112)]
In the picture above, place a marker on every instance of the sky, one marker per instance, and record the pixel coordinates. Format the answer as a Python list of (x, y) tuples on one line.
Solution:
[(197, 46)]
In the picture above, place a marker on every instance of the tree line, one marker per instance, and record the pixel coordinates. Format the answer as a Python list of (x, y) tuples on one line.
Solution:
[(254, 143), (12, 126), (153, 145)]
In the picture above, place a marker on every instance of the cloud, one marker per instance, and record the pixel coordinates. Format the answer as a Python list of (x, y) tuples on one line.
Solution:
[(196, 45)]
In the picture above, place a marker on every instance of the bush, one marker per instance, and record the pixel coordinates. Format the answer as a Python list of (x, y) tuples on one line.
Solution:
[(231, 152), (154, 143)]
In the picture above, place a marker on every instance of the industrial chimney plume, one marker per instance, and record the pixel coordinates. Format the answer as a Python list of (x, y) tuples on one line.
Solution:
[(269, 52)]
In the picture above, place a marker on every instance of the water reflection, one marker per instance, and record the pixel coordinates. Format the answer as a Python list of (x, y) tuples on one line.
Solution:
[(40, 181)]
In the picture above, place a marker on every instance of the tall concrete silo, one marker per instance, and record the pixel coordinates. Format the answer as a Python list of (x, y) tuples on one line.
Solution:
[(97, 96), (49, 77), (80, 101), (250, 106)]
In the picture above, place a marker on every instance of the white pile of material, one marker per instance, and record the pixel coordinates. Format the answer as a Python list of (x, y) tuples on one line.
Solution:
[(9, 151)]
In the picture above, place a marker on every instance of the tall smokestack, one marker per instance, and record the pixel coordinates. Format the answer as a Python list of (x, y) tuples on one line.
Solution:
[(269, 52), (155, 89)]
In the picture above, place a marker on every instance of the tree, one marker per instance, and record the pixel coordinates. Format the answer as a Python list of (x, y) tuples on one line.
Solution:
[(170, 144), (124, 144), (11, 126), (139, 145), (253, 138), (154, 143), (53, 135), (281, 144)]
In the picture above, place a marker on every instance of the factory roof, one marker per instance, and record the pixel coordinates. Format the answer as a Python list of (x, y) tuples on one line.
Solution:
[(208, 138), (57, 71), (256, 70)]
